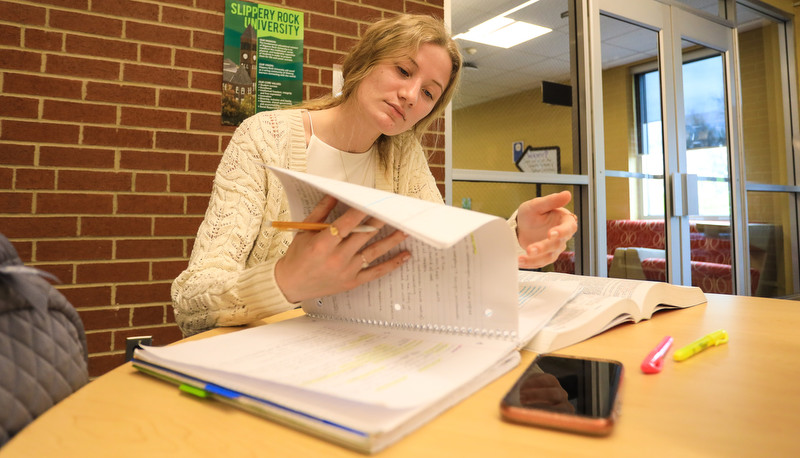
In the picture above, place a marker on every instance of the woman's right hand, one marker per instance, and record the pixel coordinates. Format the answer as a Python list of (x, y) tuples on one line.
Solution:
[(327, 262)]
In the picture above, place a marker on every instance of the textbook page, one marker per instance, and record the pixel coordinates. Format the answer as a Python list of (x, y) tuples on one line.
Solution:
[(461, 276), (648, 296), (604, 303), (619, 288), (539, 302), (585, 316)]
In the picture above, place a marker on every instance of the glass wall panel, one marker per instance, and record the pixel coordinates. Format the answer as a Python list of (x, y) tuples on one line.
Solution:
[(502, 199), (767, 151), (768, 159), (509, 120), (513, 112), (769, 231), (515, 99)]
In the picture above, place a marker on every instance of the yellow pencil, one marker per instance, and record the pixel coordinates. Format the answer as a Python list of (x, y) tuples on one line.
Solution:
[(301, 226)]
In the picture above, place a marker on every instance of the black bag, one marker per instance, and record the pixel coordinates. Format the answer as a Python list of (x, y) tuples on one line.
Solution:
[(43, 353)]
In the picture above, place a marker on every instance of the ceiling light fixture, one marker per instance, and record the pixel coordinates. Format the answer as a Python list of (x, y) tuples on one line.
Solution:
[(504, 32)]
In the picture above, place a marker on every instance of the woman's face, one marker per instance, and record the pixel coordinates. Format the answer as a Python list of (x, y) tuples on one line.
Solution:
[(398, 94)]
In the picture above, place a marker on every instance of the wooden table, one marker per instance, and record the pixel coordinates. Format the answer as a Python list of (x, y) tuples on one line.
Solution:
[(738, 399)]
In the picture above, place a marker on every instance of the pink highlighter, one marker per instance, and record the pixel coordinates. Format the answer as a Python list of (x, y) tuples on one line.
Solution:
[(655, 360)]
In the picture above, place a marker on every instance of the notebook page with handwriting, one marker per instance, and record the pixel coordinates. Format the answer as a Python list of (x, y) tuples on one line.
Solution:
[(462, 275)]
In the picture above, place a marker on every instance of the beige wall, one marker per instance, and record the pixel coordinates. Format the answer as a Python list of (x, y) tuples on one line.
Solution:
[(520, 117)]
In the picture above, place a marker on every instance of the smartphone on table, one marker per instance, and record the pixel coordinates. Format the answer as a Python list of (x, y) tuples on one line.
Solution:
[(568, 393)]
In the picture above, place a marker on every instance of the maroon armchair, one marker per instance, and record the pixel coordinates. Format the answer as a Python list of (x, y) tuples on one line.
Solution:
[(711, 256)]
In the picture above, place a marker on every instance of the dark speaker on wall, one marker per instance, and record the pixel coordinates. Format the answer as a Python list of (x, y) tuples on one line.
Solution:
[(556, 94)]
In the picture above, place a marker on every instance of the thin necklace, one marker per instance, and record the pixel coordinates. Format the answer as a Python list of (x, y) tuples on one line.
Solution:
[(366, 168)]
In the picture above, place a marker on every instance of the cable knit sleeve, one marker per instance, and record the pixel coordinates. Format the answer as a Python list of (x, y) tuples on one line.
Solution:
[(230, 277)]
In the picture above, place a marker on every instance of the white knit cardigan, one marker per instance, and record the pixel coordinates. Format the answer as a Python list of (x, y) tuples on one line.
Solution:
[(230, 279)]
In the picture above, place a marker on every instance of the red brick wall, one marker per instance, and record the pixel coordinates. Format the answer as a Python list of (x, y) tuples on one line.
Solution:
[(110, 134)]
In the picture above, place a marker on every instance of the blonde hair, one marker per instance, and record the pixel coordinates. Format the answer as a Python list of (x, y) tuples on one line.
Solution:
[(390, 39)]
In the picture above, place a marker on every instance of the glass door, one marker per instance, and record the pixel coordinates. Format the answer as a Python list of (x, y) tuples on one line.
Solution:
[(708, 146), (663, 140), (631, 138), (635, 184)]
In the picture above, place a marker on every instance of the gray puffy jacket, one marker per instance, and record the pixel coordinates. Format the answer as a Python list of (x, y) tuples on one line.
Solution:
[(43, 354)]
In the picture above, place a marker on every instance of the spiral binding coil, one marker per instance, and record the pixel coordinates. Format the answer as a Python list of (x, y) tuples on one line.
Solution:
[(441, 329)]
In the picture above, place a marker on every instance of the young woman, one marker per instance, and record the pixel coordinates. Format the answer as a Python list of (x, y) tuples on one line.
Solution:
[(397, 80)]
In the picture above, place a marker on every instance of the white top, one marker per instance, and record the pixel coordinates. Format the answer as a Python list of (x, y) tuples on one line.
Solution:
[(326, 161)]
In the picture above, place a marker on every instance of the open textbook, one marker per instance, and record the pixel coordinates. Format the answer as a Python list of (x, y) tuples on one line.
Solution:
[(366, 367), (602, 304)]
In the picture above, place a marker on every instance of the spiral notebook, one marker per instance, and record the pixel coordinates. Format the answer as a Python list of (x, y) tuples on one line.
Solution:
[(366, 367)]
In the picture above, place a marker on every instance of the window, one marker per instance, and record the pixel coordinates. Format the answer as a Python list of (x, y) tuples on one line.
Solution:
[(650, 146), (706, 137)]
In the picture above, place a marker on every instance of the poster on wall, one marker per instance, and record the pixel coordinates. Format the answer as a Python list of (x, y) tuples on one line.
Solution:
[(262, 67)]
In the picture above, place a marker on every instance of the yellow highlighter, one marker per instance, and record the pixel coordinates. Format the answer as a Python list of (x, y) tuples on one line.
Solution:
[(715, 338)]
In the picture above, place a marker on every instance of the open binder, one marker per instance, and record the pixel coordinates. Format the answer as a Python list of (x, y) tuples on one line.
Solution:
[(365, 367)]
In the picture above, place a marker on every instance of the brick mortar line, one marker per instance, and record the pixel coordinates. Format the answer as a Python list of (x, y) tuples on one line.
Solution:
[(160, 22)]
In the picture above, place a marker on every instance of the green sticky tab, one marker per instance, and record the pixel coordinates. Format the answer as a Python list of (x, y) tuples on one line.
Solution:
[(199, 392)]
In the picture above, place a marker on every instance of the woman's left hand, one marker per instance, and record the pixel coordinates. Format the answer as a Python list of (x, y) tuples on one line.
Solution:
[(543, 228)]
